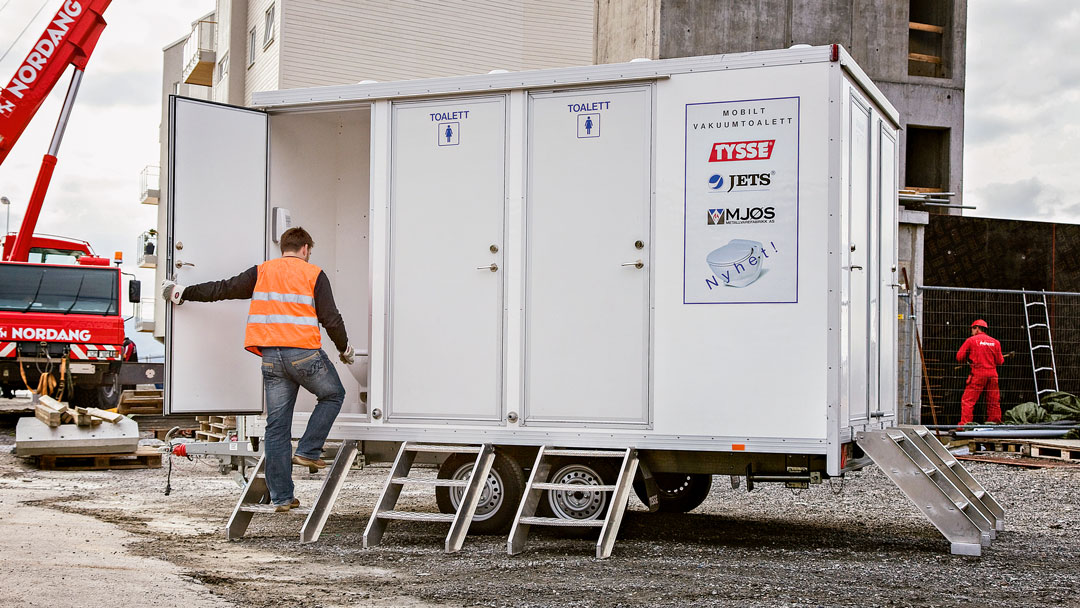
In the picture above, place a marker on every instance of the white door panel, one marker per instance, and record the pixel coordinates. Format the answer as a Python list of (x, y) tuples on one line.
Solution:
[(447, 215), (588, 262), (859, 256), (217, 222)]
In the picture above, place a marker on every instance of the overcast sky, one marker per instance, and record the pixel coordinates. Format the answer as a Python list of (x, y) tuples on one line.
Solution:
[(1022, 141)]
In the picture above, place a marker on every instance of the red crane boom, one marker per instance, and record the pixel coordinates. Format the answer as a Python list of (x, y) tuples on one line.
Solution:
[(69, 39)]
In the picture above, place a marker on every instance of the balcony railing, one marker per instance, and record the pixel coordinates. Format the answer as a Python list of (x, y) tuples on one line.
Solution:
[(149, 185), (147, 248), (200, 55)]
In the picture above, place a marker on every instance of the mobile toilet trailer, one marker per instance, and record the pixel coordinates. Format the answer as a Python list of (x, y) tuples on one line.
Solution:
[(689, 264)]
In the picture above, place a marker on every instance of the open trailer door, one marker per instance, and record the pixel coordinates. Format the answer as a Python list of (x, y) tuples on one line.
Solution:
[(216, 227)]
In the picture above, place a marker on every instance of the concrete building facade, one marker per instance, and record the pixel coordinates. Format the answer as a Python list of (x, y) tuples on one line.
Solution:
[(914, 50)]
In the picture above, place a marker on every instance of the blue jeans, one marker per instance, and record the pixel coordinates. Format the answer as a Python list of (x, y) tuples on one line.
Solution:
[(284, 371)]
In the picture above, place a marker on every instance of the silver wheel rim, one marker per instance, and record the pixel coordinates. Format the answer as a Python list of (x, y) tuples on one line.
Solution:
[(491, 497), (577, 504)]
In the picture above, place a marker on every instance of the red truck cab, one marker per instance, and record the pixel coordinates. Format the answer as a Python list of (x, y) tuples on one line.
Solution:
[(61, 318)]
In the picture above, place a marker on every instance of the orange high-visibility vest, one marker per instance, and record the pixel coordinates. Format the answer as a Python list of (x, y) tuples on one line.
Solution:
[(282, 311)]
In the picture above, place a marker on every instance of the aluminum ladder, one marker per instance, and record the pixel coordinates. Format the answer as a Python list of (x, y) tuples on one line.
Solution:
[(537, 484), (256, 497), (959, 506), (1040, 349), (459, 522)]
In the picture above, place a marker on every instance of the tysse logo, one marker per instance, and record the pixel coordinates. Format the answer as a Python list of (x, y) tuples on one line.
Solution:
[(742, 150)]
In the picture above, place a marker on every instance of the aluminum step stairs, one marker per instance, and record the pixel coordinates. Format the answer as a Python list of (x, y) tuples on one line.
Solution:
[(384, 511), (959, 506), (538, 484), (1041, 343), (256, 497)]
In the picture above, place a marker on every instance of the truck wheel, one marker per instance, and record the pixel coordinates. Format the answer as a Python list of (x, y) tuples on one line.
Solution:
[(108, 395), (678, 492), (499, 499), (583, 504), (103, 397)]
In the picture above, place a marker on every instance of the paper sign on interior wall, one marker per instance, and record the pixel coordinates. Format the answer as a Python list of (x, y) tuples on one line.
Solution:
[(742, 202)]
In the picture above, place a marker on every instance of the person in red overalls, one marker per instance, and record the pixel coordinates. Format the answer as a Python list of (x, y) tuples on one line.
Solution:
[(984, 354)]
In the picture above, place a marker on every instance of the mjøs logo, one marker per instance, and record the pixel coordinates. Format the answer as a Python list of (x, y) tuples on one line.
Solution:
[(742, 150), (756, 181), (746, 215)]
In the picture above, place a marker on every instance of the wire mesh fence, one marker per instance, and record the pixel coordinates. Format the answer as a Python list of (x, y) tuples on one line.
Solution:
[(1040, 339)]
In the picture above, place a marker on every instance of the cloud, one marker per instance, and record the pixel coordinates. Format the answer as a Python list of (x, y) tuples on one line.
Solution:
[(1028, 198), (1023, 85)]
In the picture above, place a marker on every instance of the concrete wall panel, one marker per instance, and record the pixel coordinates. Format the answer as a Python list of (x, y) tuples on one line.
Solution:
[(879, 43), (626, 29), (707, 27), (821, 22)]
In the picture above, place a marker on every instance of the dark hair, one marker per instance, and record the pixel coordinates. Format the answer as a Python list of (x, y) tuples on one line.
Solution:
[(295, 238)]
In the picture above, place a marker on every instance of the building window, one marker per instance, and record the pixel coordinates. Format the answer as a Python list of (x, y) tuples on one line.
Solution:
[(926, 166), (268, 27), (223, 66), (252, 42), (929, 37)]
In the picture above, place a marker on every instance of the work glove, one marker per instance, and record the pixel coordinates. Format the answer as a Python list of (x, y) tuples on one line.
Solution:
[(347, 356), (171, 291)]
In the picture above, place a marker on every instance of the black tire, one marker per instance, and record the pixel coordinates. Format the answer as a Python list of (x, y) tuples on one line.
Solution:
[(499, 500), (678, 492), (103, 397), (584, 505)]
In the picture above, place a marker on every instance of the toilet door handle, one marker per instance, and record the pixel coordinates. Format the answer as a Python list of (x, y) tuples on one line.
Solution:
[(635, 264), (493, 267), (854, 267)]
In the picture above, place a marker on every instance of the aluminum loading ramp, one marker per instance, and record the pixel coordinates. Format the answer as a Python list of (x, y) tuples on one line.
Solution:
[(958, 505)]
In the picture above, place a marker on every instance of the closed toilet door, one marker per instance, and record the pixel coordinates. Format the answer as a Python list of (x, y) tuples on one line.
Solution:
[(446, 275), (588, 257)]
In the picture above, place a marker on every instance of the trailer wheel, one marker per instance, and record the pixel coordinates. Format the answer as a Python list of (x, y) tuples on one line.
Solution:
[(583, 504), (678, 492), (499, 499)]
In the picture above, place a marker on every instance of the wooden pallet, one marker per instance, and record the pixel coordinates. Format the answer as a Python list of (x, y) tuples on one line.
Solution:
[(215, 428), (1064, 449), (142, 458), (1010, 446), (141, 402)]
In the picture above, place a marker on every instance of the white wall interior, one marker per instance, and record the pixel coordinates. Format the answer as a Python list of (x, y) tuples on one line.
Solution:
[(319, 171)]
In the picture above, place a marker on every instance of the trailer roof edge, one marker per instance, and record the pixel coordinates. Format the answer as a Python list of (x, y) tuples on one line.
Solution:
[(574, 76)]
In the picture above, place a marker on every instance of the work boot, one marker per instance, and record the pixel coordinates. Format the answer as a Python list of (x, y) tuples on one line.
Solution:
[(312, 465), (289, 505)]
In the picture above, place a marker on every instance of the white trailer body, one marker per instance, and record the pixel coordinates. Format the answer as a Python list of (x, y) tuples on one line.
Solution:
[(688, 256)]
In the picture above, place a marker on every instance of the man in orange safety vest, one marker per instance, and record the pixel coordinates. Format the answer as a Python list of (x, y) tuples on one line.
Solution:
[(290, 298)]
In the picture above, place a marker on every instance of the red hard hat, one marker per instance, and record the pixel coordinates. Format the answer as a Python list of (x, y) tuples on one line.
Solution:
[(979, 323)]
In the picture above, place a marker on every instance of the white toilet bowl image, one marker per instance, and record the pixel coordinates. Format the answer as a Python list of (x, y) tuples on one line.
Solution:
[(738, 263)]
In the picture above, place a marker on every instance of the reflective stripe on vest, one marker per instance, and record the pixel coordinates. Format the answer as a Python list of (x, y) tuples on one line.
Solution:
[(282, 311)]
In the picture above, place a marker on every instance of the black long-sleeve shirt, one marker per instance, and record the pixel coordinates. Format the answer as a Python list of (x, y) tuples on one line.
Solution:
[(242, 286)]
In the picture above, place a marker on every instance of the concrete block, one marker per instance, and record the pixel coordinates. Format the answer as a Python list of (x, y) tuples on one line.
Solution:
[(34, 437)]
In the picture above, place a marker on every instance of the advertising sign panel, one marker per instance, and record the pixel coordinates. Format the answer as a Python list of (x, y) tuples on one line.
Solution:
[(742, 202)]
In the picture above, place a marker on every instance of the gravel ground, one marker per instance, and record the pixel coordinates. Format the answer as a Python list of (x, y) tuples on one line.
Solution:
[(853, 543)]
